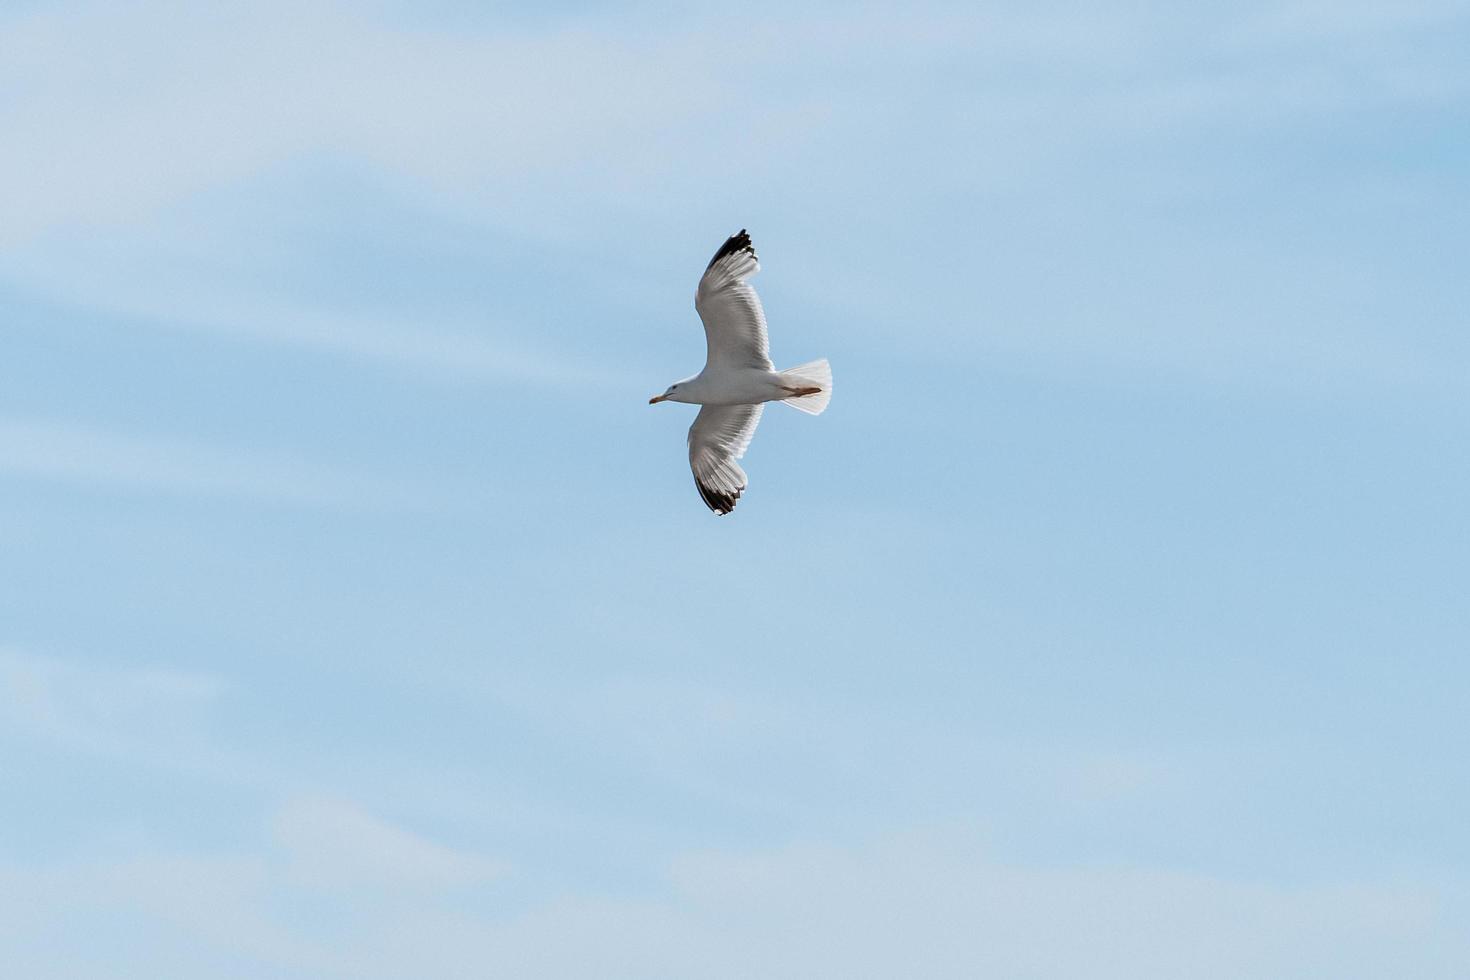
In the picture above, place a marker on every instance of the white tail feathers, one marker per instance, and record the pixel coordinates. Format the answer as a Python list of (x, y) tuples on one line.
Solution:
[(813, 374)]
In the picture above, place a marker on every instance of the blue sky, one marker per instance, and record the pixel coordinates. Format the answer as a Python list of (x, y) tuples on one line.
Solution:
[(359, 618)]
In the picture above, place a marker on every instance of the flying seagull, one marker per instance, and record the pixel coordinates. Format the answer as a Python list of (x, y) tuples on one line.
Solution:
[(738, 376)]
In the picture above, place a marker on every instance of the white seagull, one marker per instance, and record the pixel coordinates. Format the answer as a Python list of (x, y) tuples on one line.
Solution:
[(738, 376)]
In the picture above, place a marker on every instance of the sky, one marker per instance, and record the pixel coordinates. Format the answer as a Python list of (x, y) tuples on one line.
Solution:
[(360, 619)]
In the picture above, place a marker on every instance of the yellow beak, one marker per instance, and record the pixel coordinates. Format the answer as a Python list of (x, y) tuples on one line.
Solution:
[(657, 398)]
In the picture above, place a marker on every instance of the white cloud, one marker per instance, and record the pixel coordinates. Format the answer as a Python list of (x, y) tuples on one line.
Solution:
[(63, 452), (147, 717), (923, 904), (334, 843), (130, 287), (555, 129), (121, 117), (102, 709), (930, 906), (156, 914)]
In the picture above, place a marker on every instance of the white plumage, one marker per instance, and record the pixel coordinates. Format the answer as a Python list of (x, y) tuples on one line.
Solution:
[(738, 376), (734, 323)]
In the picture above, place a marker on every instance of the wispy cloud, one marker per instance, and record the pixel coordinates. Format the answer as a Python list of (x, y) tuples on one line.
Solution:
[(924, 903), (93, 457), (717, 744), (135, 292), (553, 128), (334, 843), (116, 135), (107, 133), (151, 716), (224, 909), (545, 126)]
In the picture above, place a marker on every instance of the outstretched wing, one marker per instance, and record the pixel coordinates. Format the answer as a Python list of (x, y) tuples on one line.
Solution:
[(717, 439), (734, 323)]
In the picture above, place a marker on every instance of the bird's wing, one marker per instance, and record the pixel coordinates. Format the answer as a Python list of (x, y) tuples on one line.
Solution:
[(734, 324), (717, 439)]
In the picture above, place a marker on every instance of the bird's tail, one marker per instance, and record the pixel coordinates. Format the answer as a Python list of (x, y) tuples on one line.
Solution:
[(813, 374)]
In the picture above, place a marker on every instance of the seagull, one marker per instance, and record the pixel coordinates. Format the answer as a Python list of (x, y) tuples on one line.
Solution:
[(738, 376)]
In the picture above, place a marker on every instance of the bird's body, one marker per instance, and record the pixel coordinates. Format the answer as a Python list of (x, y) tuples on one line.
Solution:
[(742, 386), (738, 376)]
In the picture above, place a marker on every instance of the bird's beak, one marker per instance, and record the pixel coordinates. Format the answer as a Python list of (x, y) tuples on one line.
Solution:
[(657, 398)]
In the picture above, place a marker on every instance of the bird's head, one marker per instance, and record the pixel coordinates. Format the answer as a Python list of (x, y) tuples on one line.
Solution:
[(674, 393)]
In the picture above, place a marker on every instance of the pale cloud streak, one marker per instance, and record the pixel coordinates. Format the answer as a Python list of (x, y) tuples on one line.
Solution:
[(334, 843), (147, 717), (111, 131), (93, 457), (104, 710), (925, 903), (552, 130), (134, 291), (720, 744), (224, 909)]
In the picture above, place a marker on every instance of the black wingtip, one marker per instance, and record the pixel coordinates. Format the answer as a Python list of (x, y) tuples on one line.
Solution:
[(733, 244), (717, 500)]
